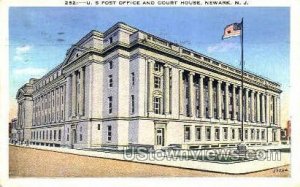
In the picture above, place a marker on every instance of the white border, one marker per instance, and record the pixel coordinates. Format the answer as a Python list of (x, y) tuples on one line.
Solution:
[(132, 182)]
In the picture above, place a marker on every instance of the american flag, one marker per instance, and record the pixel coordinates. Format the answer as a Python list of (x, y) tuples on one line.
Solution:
[(232, 30)]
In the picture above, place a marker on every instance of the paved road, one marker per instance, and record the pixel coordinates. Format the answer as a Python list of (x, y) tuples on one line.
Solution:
[(27, 162)]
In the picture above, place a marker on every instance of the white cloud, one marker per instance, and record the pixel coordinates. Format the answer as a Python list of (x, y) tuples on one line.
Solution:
[(20, 51), (23, 49), (222, 47), (30, 71)]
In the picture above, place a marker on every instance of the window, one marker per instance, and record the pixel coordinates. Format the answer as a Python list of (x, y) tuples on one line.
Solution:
[(43, 135), (156, 82), (132, 104), (156, 105), (246, 134), (99, 127), (262, 134), (225, 131), (110, 81), (68, 134), (110, 40), (208, 133), (257, 134), (109, 134), (110, 104), (54, 135), (80, 134), (132, 78), (59, 135), (157, 66), (198, 133), (110, 65), (187, 133), (252, 134), (240, 134), (50, 134), (47, 135), (232, 134), (217, 134)]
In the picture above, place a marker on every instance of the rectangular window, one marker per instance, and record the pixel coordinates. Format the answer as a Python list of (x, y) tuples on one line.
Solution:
[(99, 127), (110, 65), (246, 134), (198, 133), (262, 134), (132, 104), (156, 105), (252, 134), (257, 134), (110, 81), (156, 82), (50, 134), (232, 134), (217, 134), (187, 133), (110, 40), (225, 133), (54, 135), (157, 66), (132, 78), (59, 135), (208, 133), (109, 133), (110, 104), (240, 134), (80, 134)]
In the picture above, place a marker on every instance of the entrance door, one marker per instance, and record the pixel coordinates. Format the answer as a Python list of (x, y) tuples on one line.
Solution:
[(160, 139), (274, 135), (73, 140)]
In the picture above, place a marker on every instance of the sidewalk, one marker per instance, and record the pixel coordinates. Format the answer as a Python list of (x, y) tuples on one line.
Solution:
[(229, 168)]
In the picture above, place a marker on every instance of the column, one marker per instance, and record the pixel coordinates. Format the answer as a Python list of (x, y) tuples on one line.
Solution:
[(278, 110), (191, 94), (240, 103), (252, 106), (226, 101), (181, 93), (68, 97), (234, 102), (81, 92), (73, 94), (268, 109), (219, 101), (201, 96), (258, 107), (150, 85), (166, 89), (210, 98), (55, 102), (246, 104), (263, 109)]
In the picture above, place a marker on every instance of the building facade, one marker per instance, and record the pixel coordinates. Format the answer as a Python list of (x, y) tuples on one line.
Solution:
[(15, 131), (127, 87)]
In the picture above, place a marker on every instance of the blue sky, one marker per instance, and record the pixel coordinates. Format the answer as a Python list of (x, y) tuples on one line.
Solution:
[(40, 37)]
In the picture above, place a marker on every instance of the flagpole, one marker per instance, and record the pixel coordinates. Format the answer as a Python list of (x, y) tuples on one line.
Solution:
[(242, 59)]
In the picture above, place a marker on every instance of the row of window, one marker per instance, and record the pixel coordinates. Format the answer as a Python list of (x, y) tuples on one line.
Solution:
[(231, 115), (111, 81), (110, 104), (49, 107), (254, 134), (50, 135), (47, 80)]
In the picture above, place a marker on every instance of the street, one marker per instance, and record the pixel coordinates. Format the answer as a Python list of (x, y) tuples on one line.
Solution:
[(27, 162)]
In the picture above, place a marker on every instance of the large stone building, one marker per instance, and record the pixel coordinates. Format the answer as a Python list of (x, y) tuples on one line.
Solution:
[(127, 87)]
